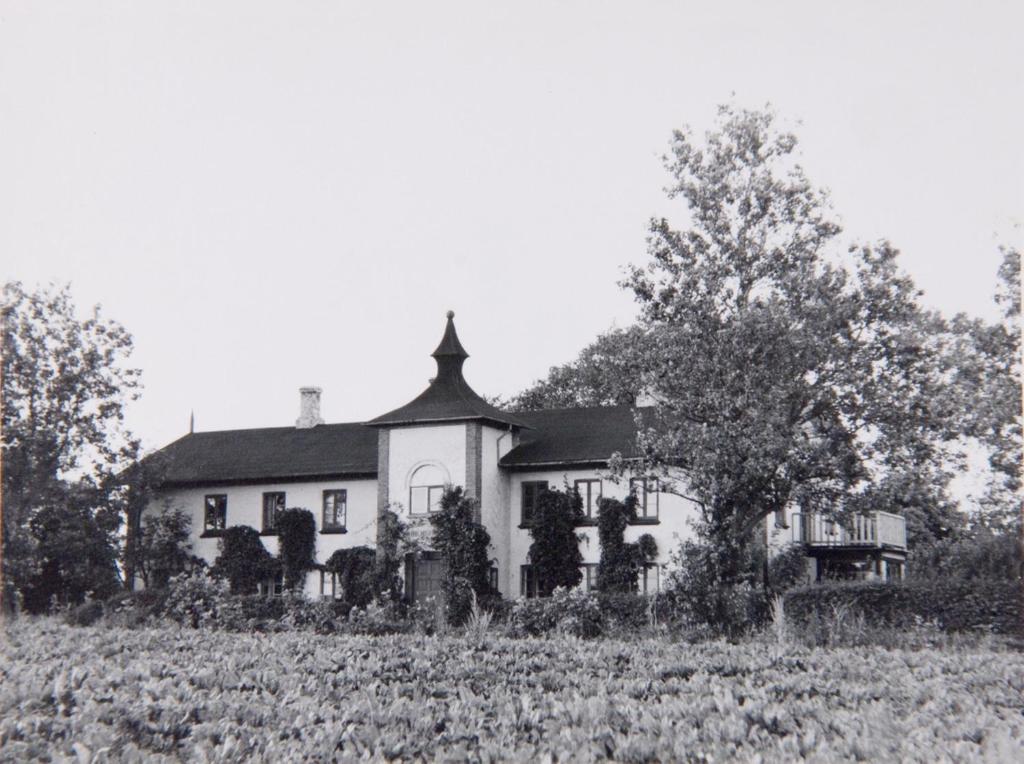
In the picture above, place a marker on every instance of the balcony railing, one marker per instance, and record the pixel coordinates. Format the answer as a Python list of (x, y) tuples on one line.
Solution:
[(878, 529)]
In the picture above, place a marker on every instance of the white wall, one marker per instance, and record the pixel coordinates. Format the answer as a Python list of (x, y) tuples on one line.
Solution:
[(411, 447), (245, 507), (674, 512), (494, 502)]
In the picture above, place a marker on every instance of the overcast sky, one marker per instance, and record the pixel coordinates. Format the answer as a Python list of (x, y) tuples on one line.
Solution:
[(277, 194)]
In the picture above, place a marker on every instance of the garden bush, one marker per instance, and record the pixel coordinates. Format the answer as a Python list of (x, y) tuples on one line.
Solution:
[(86, 614), (567, 611), (950, 604)]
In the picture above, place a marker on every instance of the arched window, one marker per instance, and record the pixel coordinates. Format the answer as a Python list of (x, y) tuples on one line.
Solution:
[(425, 489)]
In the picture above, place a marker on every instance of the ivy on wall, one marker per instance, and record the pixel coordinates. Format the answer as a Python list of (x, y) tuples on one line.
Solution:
[(243, 560), (296, 531), (620, 561), (463, 544), (555, 551)]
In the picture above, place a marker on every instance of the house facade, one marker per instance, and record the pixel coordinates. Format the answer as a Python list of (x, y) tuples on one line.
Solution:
[(347, 474)]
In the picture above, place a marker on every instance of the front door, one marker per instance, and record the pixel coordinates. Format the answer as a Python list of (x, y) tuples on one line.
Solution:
[(426, 572)]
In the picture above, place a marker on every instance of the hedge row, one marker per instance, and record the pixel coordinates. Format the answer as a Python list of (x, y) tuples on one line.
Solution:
[(954, 605)]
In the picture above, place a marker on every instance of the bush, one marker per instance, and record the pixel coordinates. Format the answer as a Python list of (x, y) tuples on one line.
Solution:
[(568, 611), (952, 605), (243, 560), (296, 540), (196, 600), (86, 614), (787, 569)]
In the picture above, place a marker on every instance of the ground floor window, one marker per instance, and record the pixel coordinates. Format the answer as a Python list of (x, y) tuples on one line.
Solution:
[(529, 582), (893, 570), (273, 587), (330, 589), (649, 578), (589, 581)]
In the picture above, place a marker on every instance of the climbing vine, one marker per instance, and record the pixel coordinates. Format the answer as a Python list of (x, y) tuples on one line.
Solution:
[(463, 544), (296, 530), (620, 561), (555, 552)]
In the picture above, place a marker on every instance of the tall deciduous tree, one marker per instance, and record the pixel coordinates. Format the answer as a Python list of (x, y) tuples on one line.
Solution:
[(786, 371), (986, 359), (606, 373), (64, 387)]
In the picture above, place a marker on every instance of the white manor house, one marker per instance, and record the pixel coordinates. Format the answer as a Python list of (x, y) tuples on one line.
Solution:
[(348, 473)]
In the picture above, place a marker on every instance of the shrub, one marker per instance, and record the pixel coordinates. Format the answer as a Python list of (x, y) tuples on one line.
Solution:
[(358, 573), (568, 611), (787, 569), (620, 562), (952, 605), (242, 559), (86, 614), (195, 599), (163, 549)]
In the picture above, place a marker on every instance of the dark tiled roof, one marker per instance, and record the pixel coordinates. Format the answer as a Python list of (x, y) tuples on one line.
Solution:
[(565, 436), (271, 453), (449, 397)]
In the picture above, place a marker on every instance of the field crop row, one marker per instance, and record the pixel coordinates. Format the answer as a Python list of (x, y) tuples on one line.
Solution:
[(105, 695)]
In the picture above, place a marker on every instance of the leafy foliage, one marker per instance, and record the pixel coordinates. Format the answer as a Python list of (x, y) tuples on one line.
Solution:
[(604, 374), (555, 550), (164, 548), (785, 371), (64, 388), (75, 555), (296, 529), (356, 568), (243, 560), (393, 543), (201, 695), (463, 543), (620, 562)]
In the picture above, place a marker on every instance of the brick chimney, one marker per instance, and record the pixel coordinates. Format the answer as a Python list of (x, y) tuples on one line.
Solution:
[(309, 408)]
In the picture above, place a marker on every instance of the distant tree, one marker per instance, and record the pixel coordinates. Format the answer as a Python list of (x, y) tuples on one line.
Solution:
[(296, 538), (163, 548), (986, 362), (64, 389), (785, 371), (243, 560), (74, 551), (463, 543), (555, 550), (606, 373)]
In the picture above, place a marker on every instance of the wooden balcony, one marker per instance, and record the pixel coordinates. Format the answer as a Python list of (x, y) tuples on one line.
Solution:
[(877, 530)]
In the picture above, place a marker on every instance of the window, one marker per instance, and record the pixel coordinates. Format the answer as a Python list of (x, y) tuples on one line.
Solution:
[(273, 505), (426, 487), (589, 582), (273, 587), (215, 515), (532, 490), (330, 589), (528, 583), (335, 510), (492, 578), (648, 578), (646, 491), (590, 492)]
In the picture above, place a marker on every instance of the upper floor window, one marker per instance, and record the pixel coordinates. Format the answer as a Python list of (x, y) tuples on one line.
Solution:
[(273, 506), (590, 491), (646, 490), (215, 514), (532, 490), (335, 509), (426, 487)]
